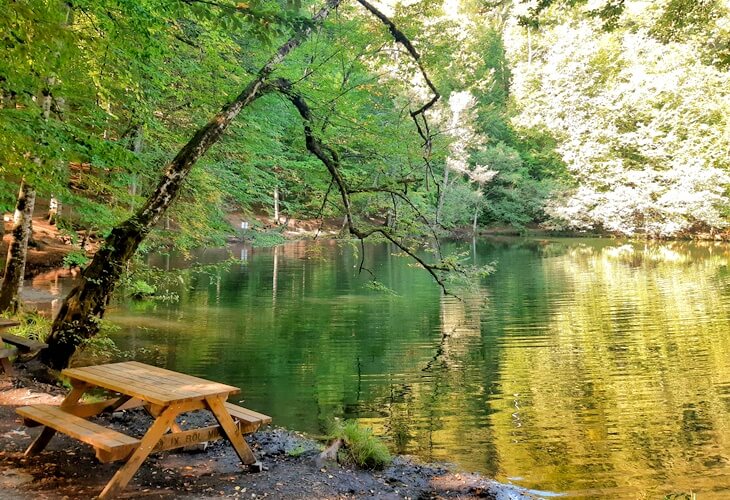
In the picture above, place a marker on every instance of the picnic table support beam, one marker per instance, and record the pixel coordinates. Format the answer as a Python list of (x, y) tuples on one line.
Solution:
[(39, 444), (148, 443), (7, 366), (230, 429)]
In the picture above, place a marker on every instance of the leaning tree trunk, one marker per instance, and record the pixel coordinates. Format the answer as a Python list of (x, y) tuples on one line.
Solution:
[(78, 318), (18, 249)]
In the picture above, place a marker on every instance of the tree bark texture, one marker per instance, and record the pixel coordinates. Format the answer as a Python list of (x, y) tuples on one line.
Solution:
[(78, 318), (15, 262), (442, 194), (276, 205)]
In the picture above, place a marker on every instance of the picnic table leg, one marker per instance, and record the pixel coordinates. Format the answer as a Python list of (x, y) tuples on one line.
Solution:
[(150, 439), (231, 430), (47, 433), (7, 367)]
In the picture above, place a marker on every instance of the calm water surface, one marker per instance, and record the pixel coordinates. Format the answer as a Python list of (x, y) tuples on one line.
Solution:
[(591, 368)]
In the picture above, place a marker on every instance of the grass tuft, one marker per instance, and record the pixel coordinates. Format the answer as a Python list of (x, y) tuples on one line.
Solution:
[(361, 446)]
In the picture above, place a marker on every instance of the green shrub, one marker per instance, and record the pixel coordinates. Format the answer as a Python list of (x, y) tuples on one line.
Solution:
[(266, 239), (361, 446), (76, 258), (297, 452), (140, 289), (100, 348)]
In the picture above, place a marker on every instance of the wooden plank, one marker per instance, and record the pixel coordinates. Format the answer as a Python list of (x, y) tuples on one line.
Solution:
[(121, 384), (90, 433), (183, 377), (7, 366), (8, 351), (37, 446), (231, 430), (85, 410), (7, 323), (189, 437), (132, 403), (179, 381), (249, 420), (152, 384), (149, 441), (174, 385), (22, 343), (139, 383), (5, 360)]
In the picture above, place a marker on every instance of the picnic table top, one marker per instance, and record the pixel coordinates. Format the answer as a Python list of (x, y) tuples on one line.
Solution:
[(149, 383), (7, 323)]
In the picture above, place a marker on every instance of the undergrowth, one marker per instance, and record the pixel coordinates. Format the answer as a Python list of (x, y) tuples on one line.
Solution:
[(98, 349), (32, 325), (266, 239)]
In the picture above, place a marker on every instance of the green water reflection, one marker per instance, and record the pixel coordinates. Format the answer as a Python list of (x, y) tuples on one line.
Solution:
[(595, 368)]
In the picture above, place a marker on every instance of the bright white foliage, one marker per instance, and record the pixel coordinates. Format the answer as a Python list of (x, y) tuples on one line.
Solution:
[(644, 127), (465, 137)]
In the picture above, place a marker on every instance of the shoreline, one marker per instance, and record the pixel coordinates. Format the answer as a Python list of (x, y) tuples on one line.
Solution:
[(50, 247), (291, 470)]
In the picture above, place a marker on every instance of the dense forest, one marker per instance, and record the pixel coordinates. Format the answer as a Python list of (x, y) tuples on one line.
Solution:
[(399, 118), (585, 115)]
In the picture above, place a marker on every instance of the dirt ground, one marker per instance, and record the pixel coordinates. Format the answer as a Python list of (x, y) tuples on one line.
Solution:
[(47, 250), (69, 469)]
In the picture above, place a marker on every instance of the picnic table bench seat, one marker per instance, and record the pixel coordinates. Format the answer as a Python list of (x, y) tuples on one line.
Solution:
[(110, 445), (23, 344), (248, 420)]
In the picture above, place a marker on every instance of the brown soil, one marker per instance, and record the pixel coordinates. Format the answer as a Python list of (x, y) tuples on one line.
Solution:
[(68, 468), (290, 227), (47, 250)]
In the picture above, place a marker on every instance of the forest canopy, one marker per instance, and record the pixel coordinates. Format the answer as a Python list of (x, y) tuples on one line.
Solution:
[(584, 115)]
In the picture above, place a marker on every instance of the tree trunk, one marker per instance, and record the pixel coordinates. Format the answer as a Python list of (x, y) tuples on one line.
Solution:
[(276, 205), (136, 147), (17, 251), (78, 318), (442, 194)]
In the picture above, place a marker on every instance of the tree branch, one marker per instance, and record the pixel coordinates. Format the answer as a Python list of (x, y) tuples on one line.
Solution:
[(330, 159)]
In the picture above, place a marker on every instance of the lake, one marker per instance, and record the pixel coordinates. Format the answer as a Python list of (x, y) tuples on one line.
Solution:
[(593, 368)]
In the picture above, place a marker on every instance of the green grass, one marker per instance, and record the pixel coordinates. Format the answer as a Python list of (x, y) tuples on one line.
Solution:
[(266, 239), (361, 446), (32, 326), (297, 452)]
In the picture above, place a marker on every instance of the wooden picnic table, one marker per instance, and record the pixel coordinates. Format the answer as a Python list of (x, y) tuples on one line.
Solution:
[(164, 393)]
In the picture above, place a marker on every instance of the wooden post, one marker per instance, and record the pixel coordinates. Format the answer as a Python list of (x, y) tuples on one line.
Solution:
[(47, 433), (231, 430), (148, 443)]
